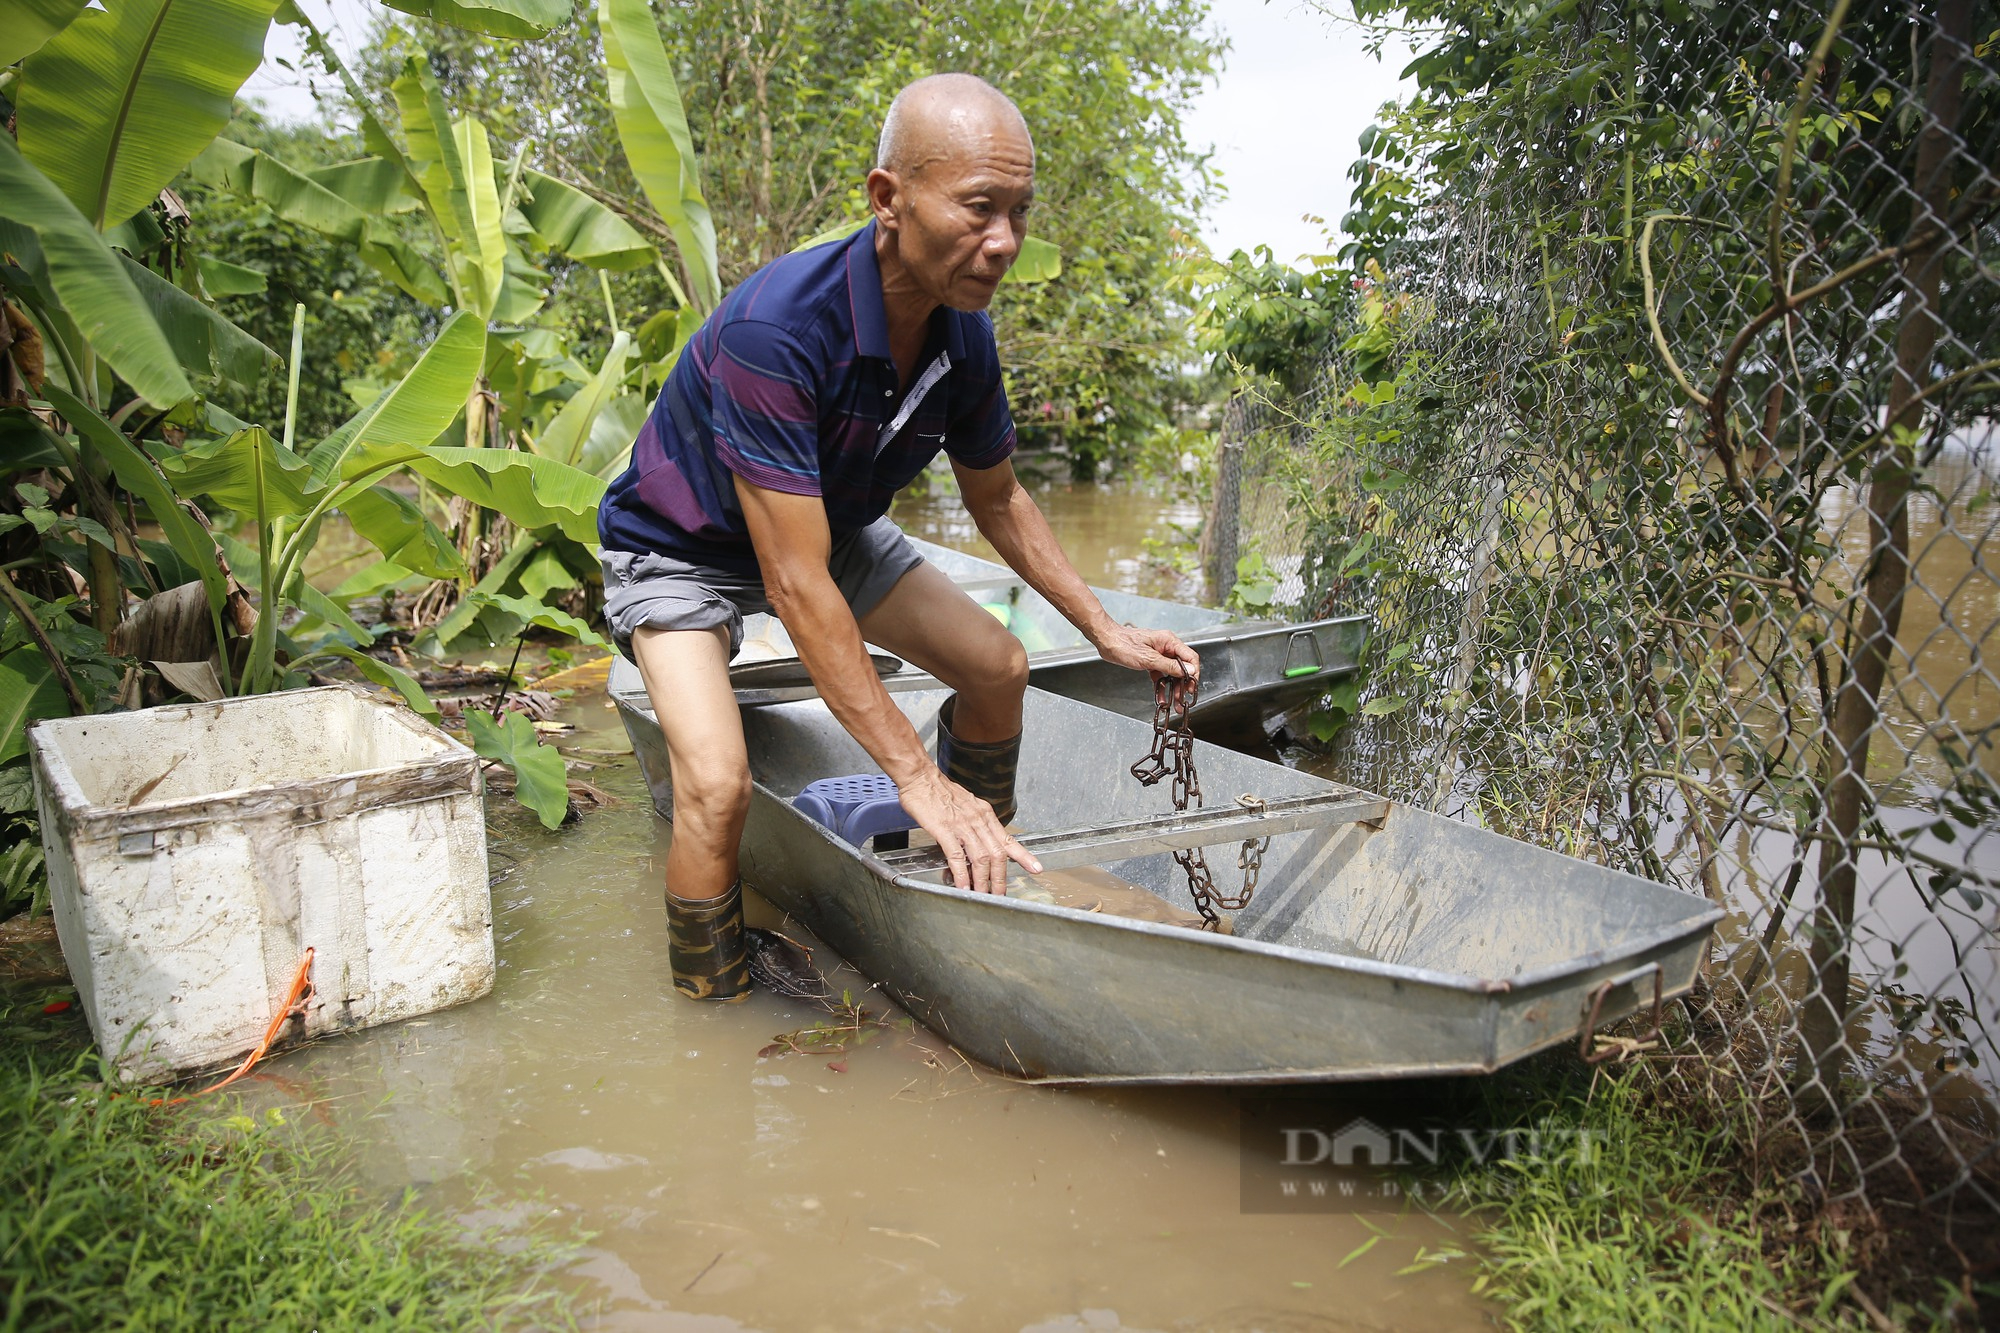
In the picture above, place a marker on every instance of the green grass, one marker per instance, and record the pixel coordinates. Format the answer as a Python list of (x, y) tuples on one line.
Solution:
[(1658, 1224), (114, 1215)]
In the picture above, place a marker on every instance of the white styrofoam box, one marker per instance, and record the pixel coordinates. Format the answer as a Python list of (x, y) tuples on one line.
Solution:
[(196, 851)]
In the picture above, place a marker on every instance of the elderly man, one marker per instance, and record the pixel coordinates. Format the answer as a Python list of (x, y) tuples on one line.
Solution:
[(762, 479)]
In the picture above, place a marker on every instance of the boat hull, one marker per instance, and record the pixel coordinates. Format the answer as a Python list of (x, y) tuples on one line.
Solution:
[(1399, 946)]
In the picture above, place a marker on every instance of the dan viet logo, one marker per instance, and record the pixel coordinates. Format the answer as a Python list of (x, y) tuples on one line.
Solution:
[(1298, 1158)]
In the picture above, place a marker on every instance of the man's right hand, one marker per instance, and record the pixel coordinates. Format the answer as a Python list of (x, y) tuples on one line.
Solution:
[(975, 846)]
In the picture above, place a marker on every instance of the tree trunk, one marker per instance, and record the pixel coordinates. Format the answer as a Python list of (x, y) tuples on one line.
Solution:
[(1857, 706), (758, 59)]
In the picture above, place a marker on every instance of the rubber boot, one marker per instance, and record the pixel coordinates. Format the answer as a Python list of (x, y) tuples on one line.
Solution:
[(705, 946), (985, 768)]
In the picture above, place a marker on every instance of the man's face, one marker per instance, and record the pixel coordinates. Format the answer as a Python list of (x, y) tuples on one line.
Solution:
[(964, 214)]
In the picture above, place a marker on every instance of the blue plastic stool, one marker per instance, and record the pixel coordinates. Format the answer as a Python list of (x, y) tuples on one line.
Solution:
[(859, 807)]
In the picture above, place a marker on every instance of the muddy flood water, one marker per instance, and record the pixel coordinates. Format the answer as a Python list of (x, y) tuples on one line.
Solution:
[(888, 1185)]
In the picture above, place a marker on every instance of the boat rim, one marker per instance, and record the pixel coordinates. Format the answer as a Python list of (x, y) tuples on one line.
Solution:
[(1529, 980)]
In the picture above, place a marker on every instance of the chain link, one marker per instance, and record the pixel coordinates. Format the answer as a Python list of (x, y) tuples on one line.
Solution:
[(1728, 646), (1172, 756)]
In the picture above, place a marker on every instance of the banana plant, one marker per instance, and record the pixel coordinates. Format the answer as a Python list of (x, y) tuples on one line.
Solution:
[(486, 218), (288, 495), (652, 126), (101, 291)]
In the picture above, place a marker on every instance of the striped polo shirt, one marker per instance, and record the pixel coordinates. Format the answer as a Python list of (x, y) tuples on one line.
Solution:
[(789, 385)]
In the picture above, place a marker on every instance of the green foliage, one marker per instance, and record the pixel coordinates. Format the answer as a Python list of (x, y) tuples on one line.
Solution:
[(24, 882), (117, 102), (653, 131), (416, 409), (118, 303), (31, 23), (28, 692), (1256, 585), (534, 492), (541, 781), (1638, 323), (567, 219), (1635, 1216), (63, 259), (500, 18), (120, 1215), (783, 113), (278, 222), (1269, 318)]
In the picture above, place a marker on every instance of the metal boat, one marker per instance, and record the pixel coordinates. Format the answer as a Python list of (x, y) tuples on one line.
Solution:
[(1383, 941), (1252, 670)]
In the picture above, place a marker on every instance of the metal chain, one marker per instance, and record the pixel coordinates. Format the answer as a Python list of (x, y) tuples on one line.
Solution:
[(1172, 756)]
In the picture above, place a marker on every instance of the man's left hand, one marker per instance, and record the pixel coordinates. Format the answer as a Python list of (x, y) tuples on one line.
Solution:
[(1157, 651)]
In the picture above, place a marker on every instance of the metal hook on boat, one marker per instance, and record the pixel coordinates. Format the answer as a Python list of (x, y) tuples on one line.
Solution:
[(1311, 640), (1622, 1048)]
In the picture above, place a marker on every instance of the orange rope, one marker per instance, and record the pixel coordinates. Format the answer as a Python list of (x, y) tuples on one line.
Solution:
[(296, 1000)]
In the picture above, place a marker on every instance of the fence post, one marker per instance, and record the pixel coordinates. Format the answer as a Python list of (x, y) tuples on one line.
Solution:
[(1219, 535)]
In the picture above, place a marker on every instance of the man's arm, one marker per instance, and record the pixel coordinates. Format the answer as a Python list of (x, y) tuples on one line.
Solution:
[(792, 542), (1008, 516)]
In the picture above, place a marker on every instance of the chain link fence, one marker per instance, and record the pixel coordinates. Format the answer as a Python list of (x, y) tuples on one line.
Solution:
[(1661, 446)]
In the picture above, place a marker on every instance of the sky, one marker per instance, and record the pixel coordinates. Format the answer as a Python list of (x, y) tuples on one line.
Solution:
[(1296, 91)]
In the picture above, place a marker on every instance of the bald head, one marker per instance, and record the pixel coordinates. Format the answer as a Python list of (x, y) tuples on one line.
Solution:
[(938, 116)]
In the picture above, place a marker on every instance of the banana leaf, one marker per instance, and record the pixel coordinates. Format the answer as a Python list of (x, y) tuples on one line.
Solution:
[(376, 578), (545, 574), (402, 265), (652, 126), (426, 126), (94, 287), (500, 18), (219, 277), (29, 691), (609, 447), (25, 444), (137, 474), (483, 243), (249, 472), (114, 105), (664, 333), (564, 438), (421, 404), (1039, 261), (394, 525), (201, 337), (346, 214), (286, 191), (532, 491), (389, 677), (460, 618), (318, 606), (30, 24), (375, 185), (522, 291), (532, 612), (571, 222), (313, 603), (462, 194)]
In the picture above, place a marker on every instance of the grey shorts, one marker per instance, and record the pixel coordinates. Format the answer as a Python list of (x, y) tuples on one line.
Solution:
[(663, 592)]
